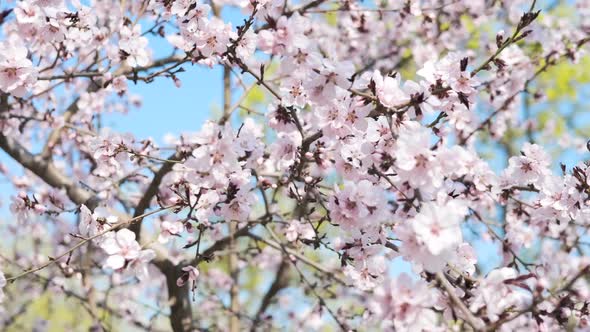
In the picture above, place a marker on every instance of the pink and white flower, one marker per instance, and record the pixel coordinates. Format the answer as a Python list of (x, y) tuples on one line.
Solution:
[(17, 74)]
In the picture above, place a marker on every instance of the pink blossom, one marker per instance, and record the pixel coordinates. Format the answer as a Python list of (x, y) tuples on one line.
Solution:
[(404, 304), (27, 13), (139, 266), (190, 275), (134, 46), (294, 93), (169, 229), (438, 227), (17, 74), (238, 209), (299, 230), (529, 168), (389, 91), (94, 223), (495, 294), (2, 285), (285, 149), (24, 206), (465, 259), (463, 82), (180, 7), (121, 247), (416, 161), (356, 141), (214, 38), (367, 273), (357, 203)]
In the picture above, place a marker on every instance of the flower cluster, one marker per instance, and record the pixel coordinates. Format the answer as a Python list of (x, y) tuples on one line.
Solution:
[(354, 141)]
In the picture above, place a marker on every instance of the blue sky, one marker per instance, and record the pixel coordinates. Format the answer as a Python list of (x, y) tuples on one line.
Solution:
[(168, 109)]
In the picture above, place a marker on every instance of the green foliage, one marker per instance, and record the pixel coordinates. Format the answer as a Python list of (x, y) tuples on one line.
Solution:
[(475, 32), (561, 80), (61, 315), (550, 115), (332, 18), (254, 97)]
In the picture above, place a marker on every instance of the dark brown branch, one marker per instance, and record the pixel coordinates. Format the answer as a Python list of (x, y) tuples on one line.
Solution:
[(181, 316), (45, 170), (152, 191), (219, 245), (279, 283), (538, 300)]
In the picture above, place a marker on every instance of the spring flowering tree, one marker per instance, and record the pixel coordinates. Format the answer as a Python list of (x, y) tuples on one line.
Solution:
[(355, 140)]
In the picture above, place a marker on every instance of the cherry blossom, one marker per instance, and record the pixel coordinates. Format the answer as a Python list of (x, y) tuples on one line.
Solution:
[(215, 38), (403, 304), (133, 46), (190, 275), (17, 74), (24, 207), (496, 293), (401, 165), (356, 204), (438, 227), (531, 167), (94, 223), (122, 249), (2, 285), (169, 229), (299, 230), (388, 89)]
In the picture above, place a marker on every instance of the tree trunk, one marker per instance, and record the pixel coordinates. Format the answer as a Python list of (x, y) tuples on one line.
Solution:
[(181, 317)]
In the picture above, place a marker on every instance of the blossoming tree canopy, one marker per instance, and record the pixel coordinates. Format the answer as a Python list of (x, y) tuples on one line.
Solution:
[(411, 165)]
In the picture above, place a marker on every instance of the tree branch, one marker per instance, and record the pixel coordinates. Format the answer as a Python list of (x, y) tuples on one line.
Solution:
[(45, 170), (152, 191), (279, 283), (475, 323), (181, 316)]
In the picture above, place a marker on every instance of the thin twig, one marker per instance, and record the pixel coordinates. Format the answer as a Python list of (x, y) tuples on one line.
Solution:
[(81, 243)]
